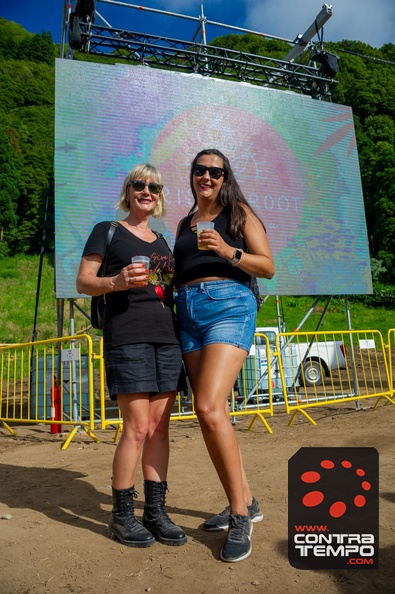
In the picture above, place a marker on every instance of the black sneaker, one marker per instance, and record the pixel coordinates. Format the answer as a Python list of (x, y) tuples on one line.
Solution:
[(238, 542), (221, 521)]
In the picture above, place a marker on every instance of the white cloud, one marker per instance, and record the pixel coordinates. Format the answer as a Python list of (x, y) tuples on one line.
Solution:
[(370, 21), (188, 7)]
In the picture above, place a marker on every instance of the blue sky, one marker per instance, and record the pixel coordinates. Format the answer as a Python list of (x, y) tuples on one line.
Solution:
[(370, 21)]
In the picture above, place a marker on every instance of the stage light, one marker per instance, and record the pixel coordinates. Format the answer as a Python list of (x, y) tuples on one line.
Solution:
[(85, 9), (83, 14), (329, 62)]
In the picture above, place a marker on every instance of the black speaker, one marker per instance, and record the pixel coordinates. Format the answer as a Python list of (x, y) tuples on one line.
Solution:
[(329, 62)]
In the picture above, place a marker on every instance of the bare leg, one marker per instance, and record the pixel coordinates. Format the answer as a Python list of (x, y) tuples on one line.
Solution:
[(155, 460), (246, 486), (135, 414), (123, 524), (212, 373)]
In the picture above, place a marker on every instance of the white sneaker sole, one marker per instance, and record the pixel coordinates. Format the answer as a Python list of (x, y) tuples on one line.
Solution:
[(242, 557)]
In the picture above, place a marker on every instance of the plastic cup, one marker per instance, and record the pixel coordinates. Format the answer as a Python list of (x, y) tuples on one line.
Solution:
[(141, 260), (145, 261), (200, 226)]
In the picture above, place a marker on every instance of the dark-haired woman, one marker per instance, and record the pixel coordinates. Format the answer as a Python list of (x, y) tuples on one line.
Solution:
[(216, 317), (141, 352)]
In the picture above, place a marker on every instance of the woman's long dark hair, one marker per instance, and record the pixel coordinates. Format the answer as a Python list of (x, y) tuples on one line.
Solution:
[(230, 195)]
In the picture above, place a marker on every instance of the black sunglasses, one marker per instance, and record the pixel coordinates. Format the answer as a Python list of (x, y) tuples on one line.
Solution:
[(140, 185), (214, 172)]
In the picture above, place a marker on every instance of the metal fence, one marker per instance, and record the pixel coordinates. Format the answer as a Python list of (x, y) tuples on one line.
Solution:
[(49, 382), (60, 382), (326, 368), (391, 359)]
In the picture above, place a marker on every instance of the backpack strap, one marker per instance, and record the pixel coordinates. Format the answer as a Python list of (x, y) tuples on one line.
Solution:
[(110, 235), (160, 235)]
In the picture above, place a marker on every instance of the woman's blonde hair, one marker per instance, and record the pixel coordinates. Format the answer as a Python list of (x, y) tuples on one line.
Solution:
[(143, 171)]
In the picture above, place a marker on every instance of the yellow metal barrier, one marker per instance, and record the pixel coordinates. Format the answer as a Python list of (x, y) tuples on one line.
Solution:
[(252, 393), (325, 368), (110, 415), (48, 382), (61, 382), (391, 360)]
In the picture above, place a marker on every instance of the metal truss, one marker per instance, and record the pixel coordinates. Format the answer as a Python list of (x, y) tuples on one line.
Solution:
[(207, 60)]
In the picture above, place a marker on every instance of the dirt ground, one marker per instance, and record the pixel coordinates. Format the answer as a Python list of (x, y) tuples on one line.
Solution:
[(54, 508)]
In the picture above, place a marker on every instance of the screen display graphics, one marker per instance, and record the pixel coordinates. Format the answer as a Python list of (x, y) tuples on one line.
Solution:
[(294, 157)]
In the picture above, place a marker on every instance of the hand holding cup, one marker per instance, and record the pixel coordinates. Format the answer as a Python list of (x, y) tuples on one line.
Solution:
[(201, 226), (140, 271)]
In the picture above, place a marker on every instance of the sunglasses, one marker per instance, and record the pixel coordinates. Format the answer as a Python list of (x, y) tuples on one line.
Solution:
[(140, 185), (214, 172)]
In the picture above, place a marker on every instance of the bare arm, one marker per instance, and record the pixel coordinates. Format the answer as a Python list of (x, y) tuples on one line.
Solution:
[(89, 283), (259, 260)]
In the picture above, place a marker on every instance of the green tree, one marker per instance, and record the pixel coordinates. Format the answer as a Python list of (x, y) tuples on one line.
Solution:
[(8, 47), (39, 48), (376, 143), (377, 269), (253, 44), (8, 191), (34, 134), (384, 201)]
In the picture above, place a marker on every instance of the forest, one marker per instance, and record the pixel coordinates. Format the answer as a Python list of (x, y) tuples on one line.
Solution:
[(365, 81)]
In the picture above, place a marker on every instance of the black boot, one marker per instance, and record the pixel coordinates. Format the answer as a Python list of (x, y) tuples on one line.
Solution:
[(123, 525), (155, 518)]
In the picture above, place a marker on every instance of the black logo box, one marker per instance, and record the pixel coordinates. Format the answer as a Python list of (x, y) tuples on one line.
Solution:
[(332, 503)]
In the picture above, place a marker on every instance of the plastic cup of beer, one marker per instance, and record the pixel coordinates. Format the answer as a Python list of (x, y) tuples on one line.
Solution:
[(144, 261), (201, 226)]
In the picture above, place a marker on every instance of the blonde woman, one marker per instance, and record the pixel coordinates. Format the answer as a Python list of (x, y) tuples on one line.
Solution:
[(142, 354)]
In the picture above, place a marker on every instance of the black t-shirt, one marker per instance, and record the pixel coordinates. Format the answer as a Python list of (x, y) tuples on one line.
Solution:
[(192, 263), (140, 314)]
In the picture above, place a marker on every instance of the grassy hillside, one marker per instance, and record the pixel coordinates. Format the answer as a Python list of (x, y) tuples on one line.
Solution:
[(18, 297), (294, 309), (19, 285)]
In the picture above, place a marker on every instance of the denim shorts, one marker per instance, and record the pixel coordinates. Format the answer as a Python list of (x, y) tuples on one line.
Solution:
[(144, 367), (210, 312)]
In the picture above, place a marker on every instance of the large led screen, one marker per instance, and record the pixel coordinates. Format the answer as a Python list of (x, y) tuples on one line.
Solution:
[(294, 157)]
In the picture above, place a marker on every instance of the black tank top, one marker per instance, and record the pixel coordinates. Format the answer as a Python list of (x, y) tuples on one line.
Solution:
[(192, 263)]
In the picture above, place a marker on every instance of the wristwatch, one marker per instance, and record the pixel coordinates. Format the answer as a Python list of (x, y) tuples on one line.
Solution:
[(236, 257)]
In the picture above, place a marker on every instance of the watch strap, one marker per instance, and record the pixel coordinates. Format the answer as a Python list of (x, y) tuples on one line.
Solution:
[(236, 257)]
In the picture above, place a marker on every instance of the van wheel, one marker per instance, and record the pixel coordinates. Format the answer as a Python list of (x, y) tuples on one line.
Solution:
[(312, 374)]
